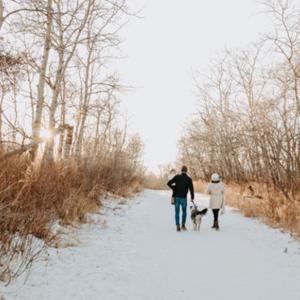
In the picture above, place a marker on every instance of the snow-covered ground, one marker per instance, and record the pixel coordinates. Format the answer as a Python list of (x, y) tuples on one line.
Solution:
[(135, 253)]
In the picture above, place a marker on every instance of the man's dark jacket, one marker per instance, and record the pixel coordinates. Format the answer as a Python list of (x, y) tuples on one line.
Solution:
[(180, 185)]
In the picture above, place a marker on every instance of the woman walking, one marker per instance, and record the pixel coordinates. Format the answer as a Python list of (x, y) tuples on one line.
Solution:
[(216, 191)]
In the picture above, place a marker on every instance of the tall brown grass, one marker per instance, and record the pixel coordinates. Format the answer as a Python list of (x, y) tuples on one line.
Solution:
[(155, 182), (33, 198), (258, 200)]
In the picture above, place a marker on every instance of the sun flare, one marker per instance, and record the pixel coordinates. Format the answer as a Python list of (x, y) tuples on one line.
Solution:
[(45, 134)]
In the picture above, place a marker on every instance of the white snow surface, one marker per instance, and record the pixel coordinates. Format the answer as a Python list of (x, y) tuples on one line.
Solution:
[(132, 251)]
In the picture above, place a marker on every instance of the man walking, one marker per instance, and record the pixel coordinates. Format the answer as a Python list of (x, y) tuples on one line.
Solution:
[(180, 185)]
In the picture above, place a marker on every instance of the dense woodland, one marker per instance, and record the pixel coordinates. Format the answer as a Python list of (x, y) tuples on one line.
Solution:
[(63, 135)]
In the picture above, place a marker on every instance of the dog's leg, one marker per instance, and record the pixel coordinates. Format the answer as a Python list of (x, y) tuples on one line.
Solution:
[(198, 222)]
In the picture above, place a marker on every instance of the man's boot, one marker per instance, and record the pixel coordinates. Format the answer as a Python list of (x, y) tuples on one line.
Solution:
[(183, 227), (178, 228), (214, 226)]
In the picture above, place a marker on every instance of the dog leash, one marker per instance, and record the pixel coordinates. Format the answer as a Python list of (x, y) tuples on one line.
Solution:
[(195, 206)]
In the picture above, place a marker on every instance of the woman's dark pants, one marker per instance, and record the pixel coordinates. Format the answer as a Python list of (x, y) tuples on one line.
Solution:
[(216, 214)]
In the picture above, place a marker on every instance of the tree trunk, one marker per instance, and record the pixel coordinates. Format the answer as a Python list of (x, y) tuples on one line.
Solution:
[(1, 104), (69, 141), (48, 155), (62, 124), (85, 104), (1, 13), (41, 84), (97, 132), (62, 66), (78, 146)]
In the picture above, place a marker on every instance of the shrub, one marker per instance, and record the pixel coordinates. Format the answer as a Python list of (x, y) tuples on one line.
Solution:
[(33, 198)]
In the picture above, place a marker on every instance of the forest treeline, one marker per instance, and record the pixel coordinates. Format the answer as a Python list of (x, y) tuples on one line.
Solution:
[(247, 123), (63, 137)]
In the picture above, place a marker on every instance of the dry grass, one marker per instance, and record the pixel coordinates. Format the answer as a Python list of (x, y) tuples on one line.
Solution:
[(264, 202), (155, 182), (267, 204), (200, 186), (32, 199)]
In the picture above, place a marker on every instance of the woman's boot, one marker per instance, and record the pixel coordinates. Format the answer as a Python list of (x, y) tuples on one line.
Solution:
[(214, 226), (217, 225)]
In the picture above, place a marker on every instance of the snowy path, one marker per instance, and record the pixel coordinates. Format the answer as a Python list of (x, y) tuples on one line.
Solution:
[(138, 256)]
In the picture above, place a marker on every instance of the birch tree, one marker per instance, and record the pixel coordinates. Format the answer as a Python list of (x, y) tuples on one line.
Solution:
[(101, 34), (42, 79), (65, 44)]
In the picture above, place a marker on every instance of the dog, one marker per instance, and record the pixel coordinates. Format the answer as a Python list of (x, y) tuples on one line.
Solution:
[(196, 216)]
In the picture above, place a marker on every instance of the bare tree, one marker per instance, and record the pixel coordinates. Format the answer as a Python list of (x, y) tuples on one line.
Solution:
[(42, 79), (98, 37), (247, 122), (286, 38)]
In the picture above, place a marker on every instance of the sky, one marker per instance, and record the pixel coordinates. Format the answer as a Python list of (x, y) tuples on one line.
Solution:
[(163, 49)]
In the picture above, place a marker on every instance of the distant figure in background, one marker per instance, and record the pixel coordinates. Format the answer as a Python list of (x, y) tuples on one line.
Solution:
[(216, 191), (171, 176), (181, 185)]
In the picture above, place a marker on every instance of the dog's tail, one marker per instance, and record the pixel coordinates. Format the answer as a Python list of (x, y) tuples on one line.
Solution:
[(203, 211)]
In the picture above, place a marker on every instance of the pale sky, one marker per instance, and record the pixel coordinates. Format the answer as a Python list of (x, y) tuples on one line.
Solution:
[(174, 38)]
